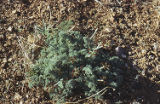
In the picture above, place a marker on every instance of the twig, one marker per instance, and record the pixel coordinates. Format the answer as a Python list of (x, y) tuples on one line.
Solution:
[(101, 91), (118, 2), (98, 2), (94, 33), (98, 47), (58, 82), (71, 28)]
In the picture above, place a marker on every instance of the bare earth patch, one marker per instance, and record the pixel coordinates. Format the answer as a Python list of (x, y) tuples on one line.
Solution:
[(128, 29)]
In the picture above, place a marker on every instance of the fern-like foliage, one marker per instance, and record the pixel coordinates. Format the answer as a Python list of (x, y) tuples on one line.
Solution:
[(69, 65)]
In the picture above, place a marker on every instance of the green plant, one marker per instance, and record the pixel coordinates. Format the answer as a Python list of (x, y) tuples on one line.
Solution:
[(71, 64)]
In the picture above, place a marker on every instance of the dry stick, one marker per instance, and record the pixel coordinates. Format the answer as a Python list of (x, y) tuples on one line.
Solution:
[(99, 2), (98, 47), (71, 28), (118, 2), (101, 91), (94, 33)]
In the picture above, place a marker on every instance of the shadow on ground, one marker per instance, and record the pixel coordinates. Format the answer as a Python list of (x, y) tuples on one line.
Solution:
[(136, 89)]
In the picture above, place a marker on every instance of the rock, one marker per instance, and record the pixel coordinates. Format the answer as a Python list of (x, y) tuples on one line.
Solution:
[(143, 51), (156, 47), (135, 102), (10, 28), (1, 37), (17, 96), (14, 11), (21, 102), (120, 51), (10, 1), (158, 68), (4, 60), (10, 59)]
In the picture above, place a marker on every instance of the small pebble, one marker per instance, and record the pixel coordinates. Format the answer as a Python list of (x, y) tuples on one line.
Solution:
[(1, 37), (10, 28), (17, 96), (143, 72), (14, 11), (135, 102), (156, 46), (10, 1), (10, 59), (4, 60), (120, 52), (158, 68), (143, 51)]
